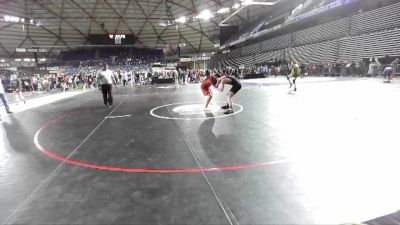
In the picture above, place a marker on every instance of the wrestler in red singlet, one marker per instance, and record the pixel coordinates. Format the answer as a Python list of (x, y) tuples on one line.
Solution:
[(206, 87)]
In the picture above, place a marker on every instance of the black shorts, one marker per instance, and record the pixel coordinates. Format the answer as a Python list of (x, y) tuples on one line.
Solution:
[(235, 88)]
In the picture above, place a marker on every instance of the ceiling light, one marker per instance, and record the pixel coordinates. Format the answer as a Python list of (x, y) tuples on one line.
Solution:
[(13, 19), (223, 10), (181, 19), (252, 2), (247, 2), (27, 59), (162, 24), (236, 6), (2, 60), (7, 18), (205, 15), (17, 60), (22, 20)]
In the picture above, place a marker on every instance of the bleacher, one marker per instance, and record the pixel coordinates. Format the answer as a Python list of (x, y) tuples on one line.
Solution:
[(78, 55), (370, 45), (251, 49), (272, 55), (318, 52), (276, 43), (370, 34), (328, 31), (383, 18)]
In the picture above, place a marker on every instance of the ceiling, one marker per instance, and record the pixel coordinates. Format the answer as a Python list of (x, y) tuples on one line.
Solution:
[(65, 24)]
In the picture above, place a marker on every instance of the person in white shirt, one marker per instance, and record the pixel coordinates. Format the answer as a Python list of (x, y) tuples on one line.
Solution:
[(124, 78), (4, 97), (105, 80)]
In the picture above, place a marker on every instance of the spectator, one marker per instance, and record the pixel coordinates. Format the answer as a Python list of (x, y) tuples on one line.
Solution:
[(34, 83), (124, 78), (18, 90), (395, 64), (4, 97)]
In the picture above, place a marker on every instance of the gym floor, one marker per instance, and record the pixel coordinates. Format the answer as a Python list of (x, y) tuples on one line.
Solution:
[(326, 154)]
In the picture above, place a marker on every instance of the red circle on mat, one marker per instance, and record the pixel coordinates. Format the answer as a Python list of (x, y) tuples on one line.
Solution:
[(135, 170)]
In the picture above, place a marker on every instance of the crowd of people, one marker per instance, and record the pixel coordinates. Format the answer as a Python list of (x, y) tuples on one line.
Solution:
[(86, 75)]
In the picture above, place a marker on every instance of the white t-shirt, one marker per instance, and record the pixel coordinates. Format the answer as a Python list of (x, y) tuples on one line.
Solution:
[(105, 76), (125, 76), (1, 87)]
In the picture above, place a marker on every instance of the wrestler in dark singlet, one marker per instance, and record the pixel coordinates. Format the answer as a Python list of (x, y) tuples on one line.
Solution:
[(236, 86)]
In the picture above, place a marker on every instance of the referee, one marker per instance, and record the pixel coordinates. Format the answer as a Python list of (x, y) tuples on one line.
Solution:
[(105, 80)]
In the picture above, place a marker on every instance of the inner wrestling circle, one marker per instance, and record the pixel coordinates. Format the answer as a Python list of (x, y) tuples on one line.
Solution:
[(192, 111), (52, 154), (168, 87)]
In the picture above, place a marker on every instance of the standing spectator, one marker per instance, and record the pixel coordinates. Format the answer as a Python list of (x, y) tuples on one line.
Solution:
[(84, 81), (119, 75), (80, 80), (352, 68), (394, 64), (34, 83), (106, 79), (277, 71), (4, 97), (89, 81), (137, 77), (310, 69), (314, 68), (65, 82), (378, 66), (302, 69), (361, 67), (94, 82), (46, 84), (124, 78), (75, 81), (371, 67), (18, 90), (53, 82)]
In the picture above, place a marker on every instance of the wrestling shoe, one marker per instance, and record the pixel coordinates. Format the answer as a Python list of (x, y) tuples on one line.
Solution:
[(230, 111)]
